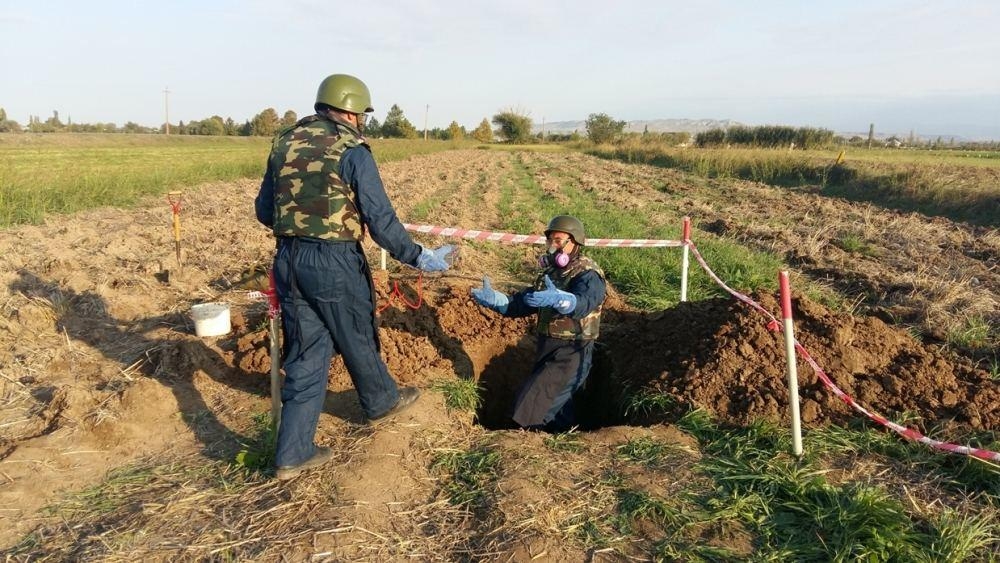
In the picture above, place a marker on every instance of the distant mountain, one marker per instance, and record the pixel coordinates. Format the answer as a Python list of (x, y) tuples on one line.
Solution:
[(692, 126)]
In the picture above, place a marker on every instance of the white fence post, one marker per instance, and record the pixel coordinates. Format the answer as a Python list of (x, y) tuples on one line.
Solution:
[(793, 377), (686, 240)]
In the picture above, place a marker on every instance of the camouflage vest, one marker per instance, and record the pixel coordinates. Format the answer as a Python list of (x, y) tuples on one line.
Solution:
[(310, 197), (555, 325)]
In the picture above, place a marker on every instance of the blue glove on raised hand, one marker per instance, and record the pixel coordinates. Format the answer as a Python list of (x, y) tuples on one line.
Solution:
[(562, 301), (434, 260), (489, 297)]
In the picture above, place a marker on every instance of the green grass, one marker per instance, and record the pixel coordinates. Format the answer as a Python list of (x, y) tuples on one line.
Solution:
[(642, 403), (459, 394), (648, 277), (795, 510), (745, 484), (65, 173), (469, 475), (975, 333), (643, 450), (258, 453), (853, 243), (565, 442)]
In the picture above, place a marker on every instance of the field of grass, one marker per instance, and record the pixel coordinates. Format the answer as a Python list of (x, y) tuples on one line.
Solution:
[(65, 173), (963, 186)]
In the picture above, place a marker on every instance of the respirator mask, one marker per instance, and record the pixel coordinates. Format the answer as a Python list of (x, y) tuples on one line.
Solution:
[(554, 257)]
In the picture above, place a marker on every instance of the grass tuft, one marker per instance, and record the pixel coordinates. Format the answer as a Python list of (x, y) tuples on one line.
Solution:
[(469, 475), (459, 394), (258, 453)]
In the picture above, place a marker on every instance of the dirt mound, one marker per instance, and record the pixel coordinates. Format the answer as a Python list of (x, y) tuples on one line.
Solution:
[(720, 356)]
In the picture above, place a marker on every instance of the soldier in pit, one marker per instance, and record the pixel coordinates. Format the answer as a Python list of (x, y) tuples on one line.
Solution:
[(320, 192), (567, 296)]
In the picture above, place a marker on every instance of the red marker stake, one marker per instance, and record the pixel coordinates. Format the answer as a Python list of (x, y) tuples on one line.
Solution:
[(274, 312), (793, 377), (685, 241)]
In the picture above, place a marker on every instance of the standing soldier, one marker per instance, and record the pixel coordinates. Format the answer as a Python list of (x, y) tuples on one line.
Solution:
[(320, 191), (567, 296)]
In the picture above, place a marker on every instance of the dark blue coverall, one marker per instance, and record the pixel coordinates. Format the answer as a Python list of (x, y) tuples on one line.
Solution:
[(545, 399), (327, 307)]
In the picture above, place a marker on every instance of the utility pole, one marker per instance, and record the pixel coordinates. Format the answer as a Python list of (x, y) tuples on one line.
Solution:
[(166, 108), (543, 128), (871, 135), (427, 109)]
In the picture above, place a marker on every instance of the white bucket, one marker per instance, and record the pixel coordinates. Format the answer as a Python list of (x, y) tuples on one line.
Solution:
[(211, 319)]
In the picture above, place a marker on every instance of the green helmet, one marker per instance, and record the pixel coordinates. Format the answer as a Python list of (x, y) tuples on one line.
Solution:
[(567, 224), (346, 93)]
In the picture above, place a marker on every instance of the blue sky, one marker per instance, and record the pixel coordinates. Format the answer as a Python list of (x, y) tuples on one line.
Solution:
[(930, 67)]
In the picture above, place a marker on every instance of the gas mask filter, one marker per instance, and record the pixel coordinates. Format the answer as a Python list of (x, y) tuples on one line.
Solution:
[(554, 257)]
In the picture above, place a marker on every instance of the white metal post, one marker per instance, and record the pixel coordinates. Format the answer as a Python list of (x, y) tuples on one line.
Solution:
[(685, 239), (793, 377)]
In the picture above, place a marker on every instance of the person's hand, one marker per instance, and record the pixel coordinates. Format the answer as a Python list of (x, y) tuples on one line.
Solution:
[(434, 260), (489, 297), (562, 301)]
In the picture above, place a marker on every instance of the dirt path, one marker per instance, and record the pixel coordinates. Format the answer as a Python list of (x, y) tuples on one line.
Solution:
[(100, 368)]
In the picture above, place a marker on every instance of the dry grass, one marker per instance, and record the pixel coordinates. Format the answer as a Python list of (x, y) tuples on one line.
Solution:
[(189, 510)]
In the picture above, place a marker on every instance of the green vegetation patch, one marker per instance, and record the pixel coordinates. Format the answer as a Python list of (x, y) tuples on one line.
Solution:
[(66, 173), (650, 278), (459, 394), (469, 475)]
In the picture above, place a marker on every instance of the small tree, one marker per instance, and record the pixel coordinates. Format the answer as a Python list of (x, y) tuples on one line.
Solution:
[(602, 129), (7, 125), (483, 133), (397, 126), (455, 132), (214, 126), (232, 129), (289, 119), (265, 123), (373, 128), (514, 127)]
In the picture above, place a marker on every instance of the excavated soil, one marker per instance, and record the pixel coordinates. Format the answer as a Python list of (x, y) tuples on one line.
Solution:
[(100, 366)]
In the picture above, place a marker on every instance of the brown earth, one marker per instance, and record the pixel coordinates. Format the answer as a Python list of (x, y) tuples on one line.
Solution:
[(101, 370)]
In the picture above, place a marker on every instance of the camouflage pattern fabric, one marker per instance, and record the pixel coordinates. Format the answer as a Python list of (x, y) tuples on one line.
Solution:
[(555, 325), (310, 197)]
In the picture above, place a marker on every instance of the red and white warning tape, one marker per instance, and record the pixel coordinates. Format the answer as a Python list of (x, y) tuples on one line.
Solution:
[(903, 431), (897, 428), (493, 236), (273, 308)]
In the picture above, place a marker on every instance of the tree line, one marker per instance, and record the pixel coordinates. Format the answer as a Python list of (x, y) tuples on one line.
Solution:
[(511, 126), (265, 124)]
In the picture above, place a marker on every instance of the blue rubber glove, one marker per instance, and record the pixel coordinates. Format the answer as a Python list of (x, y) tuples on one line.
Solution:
[(434, 260), (489, 297), (562, 301)]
